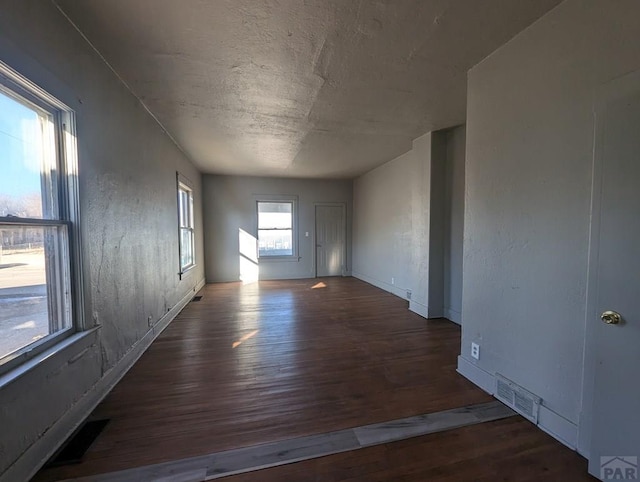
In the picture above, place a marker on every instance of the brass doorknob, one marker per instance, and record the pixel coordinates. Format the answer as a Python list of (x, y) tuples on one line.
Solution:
[(611, 317)]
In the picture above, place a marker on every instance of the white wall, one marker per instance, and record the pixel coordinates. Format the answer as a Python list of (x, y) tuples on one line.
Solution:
[(454, 222), (403, 239), (528, 192), (128, 223), (230, 205)]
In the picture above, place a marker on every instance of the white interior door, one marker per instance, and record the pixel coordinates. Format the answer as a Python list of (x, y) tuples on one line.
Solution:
[(615, 285), (330, 240)]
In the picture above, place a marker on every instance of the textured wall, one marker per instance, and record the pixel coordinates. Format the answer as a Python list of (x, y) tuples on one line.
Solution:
[(230, 205), (454, 223), (407, 223), (127, 169), (530, 141)]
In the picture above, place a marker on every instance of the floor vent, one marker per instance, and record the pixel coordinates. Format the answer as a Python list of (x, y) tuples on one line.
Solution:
[(525, 403), (196, 298), (75, 447)]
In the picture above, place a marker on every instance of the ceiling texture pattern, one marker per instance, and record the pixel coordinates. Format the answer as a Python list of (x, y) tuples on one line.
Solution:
[(299, 88)]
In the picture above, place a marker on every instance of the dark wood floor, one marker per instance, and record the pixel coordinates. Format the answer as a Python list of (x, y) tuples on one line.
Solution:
[(275, 360), (506, 450)]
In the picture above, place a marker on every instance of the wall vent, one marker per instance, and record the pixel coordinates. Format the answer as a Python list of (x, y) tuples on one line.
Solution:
[(525, 403)]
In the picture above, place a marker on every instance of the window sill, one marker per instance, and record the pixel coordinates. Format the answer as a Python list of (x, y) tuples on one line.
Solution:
[(270, 259), (78, 342), (186, 271)]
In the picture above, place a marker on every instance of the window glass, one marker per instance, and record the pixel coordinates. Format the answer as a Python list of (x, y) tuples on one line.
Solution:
[(275, 229), (35, 262), (186, 226)]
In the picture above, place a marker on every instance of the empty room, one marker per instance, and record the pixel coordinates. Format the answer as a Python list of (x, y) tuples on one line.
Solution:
[(319, 240)]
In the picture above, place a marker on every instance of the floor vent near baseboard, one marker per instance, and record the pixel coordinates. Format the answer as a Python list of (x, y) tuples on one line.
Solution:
[(525, 403), (75, 447), (196, 298)]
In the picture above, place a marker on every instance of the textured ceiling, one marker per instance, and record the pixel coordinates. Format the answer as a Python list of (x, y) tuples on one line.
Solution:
[(301, 88)]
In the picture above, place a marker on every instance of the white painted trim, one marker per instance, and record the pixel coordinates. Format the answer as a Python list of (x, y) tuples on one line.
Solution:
[(558, 427), (419, 308), (42, 449), (395, 290), (563, 430), (453, 315), (477, 375), (68, 347)]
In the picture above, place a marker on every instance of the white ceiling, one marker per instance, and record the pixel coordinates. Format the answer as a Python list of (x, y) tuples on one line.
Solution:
[(299, 88)]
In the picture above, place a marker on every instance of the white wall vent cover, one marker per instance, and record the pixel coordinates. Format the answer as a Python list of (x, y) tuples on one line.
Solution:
[(525, 403)]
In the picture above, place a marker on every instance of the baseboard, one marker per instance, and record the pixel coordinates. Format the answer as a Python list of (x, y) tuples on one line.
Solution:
[(453, 315), (37, 454), (563, 430), (419, 308), (558, 427), (393, 289), (477, 375)]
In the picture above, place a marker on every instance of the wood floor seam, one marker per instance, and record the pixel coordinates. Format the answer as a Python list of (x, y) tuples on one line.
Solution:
[(246, 459)]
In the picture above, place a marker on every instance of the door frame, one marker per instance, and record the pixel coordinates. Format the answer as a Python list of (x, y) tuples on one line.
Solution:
[(315, 234), (609, 90)]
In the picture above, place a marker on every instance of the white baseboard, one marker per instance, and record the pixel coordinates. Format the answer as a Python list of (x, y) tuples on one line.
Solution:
[(399, 292), (419, 308), (558, 427), (40, 451), (563, 430), (477, 375), (453, 315)]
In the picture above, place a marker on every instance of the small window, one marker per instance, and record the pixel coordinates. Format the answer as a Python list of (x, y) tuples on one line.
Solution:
[(186, 227), (276, 229), (38, 214)]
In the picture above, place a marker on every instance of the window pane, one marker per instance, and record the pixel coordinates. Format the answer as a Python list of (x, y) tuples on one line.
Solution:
[(275, 242), (185, 208), (186, 248), (274, 215), (23, 146), (34, 285)]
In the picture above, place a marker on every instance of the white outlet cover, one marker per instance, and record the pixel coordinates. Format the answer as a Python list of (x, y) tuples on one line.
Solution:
[(475, 351)]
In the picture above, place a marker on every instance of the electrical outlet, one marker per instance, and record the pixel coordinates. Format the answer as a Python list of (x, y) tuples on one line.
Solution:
[(393, 281), (408, 294), (150, 320), (475, 351)]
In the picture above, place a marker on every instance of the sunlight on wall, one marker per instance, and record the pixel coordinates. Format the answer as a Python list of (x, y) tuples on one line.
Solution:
[(248, 258)]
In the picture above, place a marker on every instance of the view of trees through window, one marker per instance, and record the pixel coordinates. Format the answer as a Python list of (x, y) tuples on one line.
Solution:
[(34, 295)]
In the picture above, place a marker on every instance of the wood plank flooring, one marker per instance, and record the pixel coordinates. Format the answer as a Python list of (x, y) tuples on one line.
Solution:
[(511, 449), (275, 360)]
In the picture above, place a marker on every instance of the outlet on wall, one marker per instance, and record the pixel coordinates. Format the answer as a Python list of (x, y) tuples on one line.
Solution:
[(393, 281), (475, 351)]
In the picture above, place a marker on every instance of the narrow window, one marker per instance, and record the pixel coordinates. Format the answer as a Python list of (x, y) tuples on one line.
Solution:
[(186, 227), (38, 213), (275, 229)]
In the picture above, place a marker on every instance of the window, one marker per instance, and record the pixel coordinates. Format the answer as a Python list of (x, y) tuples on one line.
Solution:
[(276, 229), (185, 222), (38, 214)]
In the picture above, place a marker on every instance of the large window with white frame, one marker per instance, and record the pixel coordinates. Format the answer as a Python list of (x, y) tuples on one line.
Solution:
[(186, 225), (276, 228), (38, 220)]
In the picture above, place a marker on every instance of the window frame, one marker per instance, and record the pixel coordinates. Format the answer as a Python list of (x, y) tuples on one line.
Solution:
[(293, 200), (185, 185), (64, 212)]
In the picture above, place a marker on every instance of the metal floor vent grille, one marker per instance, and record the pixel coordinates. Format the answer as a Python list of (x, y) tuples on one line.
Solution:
[(525, 403)]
